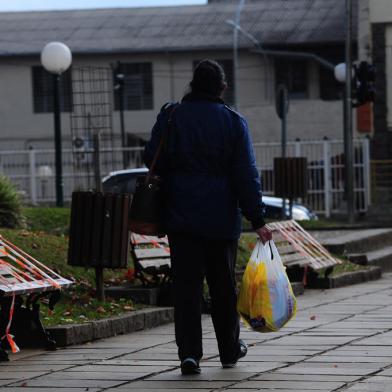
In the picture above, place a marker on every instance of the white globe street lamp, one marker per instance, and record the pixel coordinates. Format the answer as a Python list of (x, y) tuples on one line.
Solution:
[(56, 58), (340, 72)]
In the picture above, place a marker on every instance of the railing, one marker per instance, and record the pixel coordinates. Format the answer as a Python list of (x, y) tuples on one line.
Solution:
[(32, 171), (326, 190)]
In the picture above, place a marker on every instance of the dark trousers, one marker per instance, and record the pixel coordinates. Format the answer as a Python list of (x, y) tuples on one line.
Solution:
[(193, 259)]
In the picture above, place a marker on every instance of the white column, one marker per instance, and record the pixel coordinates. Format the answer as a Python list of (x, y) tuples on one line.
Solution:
[(327, 177), (366, 171), (33, 177), (297, 148)]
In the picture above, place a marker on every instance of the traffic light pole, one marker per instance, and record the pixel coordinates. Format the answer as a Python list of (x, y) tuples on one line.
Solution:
[(348, 123)]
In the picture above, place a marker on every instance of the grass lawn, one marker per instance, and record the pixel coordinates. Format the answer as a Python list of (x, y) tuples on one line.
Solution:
[(45, 238)]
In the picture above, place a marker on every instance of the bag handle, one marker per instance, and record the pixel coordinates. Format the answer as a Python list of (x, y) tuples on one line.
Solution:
[(160, 146), (272, 253)]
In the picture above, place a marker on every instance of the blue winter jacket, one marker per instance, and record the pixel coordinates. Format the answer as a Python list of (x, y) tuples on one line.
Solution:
[(209, 168)]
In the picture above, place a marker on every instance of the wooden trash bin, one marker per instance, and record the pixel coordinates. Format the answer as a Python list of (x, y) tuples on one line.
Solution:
[(99, 234)]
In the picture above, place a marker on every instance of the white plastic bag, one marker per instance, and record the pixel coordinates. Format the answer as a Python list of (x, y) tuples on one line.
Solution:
[(266, 301)]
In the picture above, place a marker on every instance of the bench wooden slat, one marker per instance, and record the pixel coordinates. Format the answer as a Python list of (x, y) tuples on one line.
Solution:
[(150, 253), (285, 249), (137, 239), (156, 263), (292, 257)]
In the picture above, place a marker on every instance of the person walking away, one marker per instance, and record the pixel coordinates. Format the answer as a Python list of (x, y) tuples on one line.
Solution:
[(211, 176)]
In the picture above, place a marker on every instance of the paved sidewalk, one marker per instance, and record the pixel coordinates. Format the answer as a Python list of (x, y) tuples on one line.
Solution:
[(341, 340)]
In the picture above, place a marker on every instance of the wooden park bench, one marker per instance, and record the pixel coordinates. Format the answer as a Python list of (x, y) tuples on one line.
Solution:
[(299, 250), (151, 258), (23, 276)]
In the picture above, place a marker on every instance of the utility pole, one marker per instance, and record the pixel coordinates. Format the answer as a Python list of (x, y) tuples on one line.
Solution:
[(119, 86), (99, 284), (235, 50), (348, 123)]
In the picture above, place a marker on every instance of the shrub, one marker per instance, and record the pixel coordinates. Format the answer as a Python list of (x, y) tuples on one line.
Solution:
[(10, 204)]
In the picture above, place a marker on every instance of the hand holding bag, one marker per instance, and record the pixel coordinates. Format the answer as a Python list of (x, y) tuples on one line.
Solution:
[(147, 213)]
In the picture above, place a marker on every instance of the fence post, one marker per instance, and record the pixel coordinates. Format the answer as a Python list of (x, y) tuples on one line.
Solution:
[(366, 171), (327, 176), (33, 178), (297, 148)]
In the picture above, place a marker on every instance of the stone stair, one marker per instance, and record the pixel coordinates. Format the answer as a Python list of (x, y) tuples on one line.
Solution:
[(371, 247)]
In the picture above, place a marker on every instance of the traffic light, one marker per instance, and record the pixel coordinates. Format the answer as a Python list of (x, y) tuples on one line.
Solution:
[(363, 87)]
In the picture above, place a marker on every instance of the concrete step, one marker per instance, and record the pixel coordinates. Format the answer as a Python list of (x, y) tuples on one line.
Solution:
[(354, 241), (381, 258)]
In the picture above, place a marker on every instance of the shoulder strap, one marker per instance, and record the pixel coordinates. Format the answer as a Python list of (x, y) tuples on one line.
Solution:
[(165, 132)]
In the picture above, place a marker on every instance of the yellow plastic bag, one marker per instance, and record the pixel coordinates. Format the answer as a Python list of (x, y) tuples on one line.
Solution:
[(266, 301)]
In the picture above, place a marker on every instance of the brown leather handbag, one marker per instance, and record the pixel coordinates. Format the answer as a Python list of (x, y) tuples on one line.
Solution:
[(147, 212)]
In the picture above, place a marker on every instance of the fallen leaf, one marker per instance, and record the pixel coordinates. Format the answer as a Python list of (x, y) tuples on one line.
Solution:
[(313, 317), (101, 309)]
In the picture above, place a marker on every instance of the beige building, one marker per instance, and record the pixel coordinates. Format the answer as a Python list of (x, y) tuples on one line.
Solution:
[(159, 47), (375, 45)]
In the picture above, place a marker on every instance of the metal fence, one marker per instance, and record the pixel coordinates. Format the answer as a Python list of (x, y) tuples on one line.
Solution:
[(33, 171)]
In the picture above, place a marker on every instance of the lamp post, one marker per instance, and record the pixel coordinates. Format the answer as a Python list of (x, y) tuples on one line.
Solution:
[(344, 76), (235, 50), (56, 58), (119, 78)]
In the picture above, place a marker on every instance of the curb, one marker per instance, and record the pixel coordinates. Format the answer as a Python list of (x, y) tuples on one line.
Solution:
[(348, 278), (66, 335), (298, 288)]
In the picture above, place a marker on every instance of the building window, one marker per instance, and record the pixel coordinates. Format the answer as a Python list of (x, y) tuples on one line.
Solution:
[(227, 66), (294, 75), (138, 90), (43, 90)]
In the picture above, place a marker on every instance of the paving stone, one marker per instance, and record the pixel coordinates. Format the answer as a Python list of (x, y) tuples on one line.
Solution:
[(131, 368), (341, 369), (293, 385), (49, 389), (5, 382), (309, 340), (138, 362), (175, 385), (45, 382), (212, 374), (381, 361), (307, 377), (190, 389), (108, 376), (6, 374), (370, 387), (31, 367), (387, 372)]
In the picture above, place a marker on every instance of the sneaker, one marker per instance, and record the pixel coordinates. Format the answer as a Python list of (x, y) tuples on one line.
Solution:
[(241, 354), (190, 366)]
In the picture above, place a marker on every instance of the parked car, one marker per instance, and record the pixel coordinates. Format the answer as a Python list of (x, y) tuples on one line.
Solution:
[(124, 181)]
